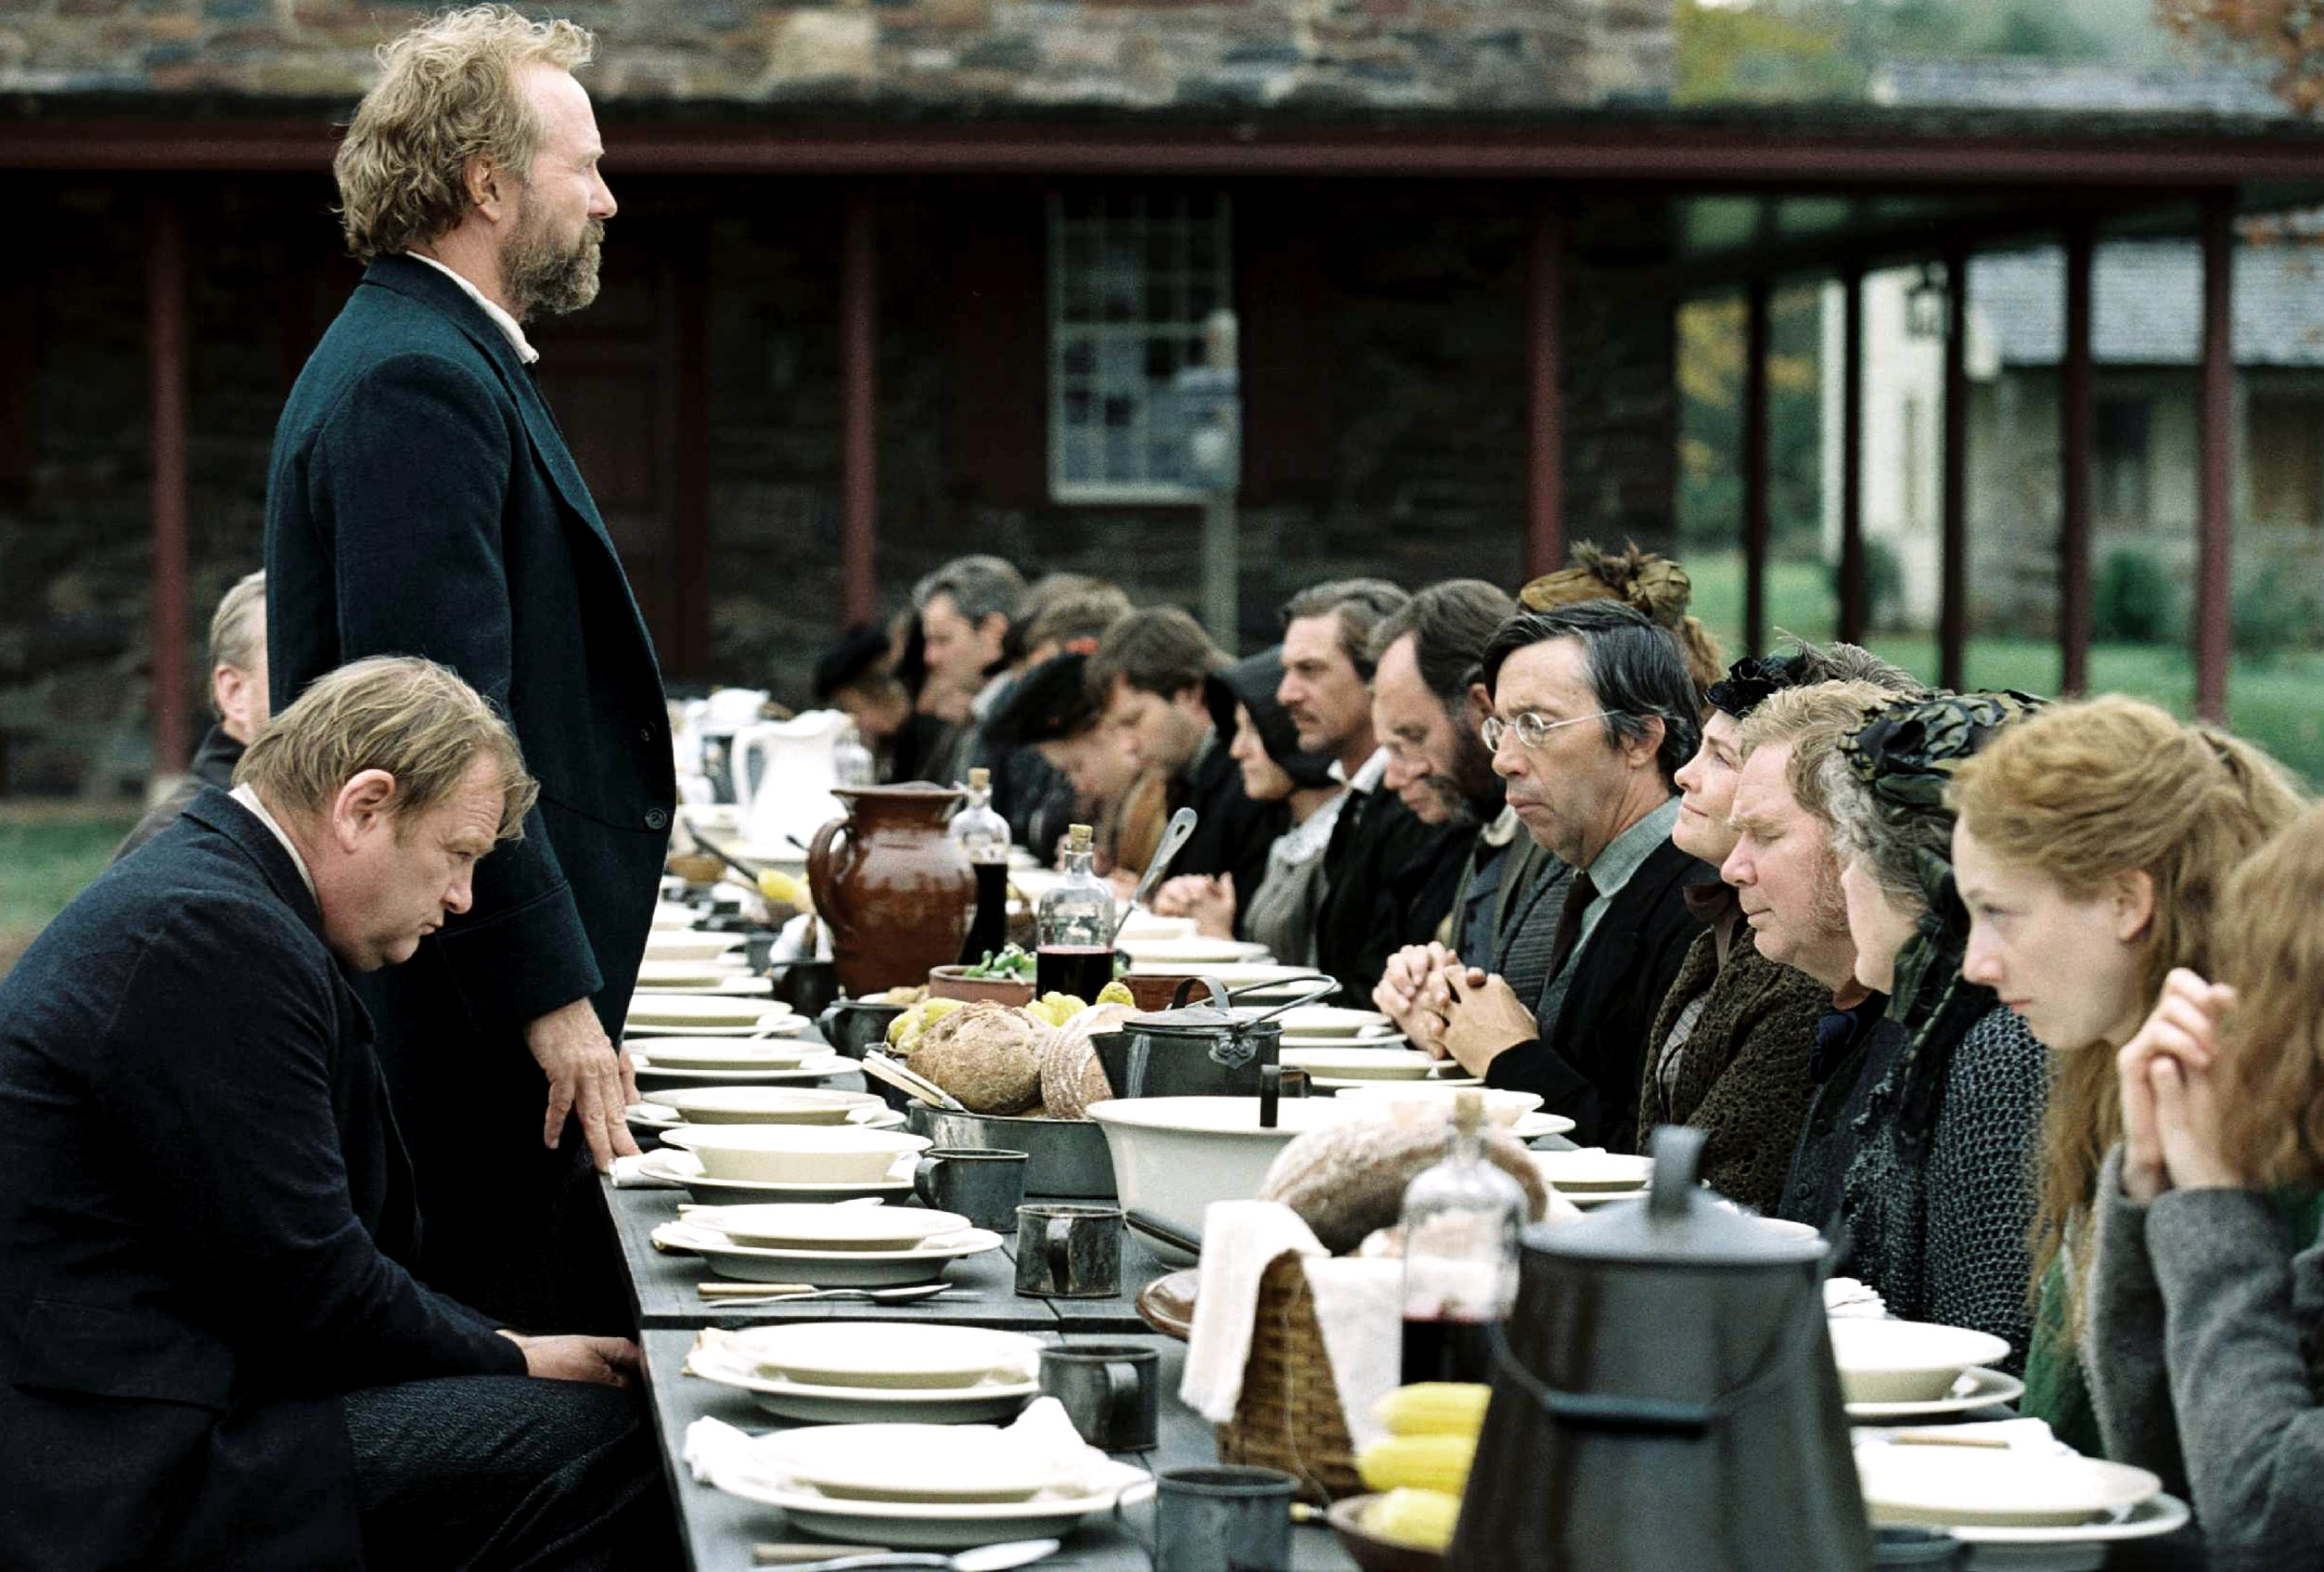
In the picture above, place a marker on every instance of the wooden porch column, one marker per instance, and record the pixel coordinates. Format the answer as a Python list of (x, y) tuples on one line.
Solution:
[(1544, 401), (1855, 614), (165, 333), (1755, 466), (1953, 597), (2214, 517), (2075, 426), (688, 300), (859, 413)]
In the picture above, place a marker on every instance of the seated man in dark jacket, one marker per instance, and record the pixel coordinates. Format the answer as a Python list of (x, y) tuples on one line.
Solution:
[(1593, 712), (216, 1352)]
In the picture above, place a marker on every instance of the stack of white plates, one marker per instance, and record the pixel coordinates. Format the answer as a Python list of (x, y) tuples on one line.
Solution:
[(1330, 1066), (821, 1264), (1903, 1370), (685, 1168), (1593, 1175), (679, 944), (1187, 952), (837, 1372), (1336, 1021), (711, 1015), (759, 1105), (694, 1062), (2013, 1496)]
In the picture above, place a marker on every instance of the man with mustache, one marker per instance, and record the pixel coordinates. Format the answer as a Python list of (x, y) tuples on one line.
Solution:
[(423, 501)]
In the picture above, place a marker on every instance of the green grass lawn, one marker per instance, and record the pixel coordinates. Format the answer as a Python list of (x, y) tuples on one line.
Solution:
[(47, 852), (2275, 704)]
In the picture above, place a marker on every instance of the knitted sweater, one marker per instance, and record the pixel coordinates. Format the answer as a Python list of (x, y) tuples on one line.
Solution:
[(1742, 1073), (2206, 1360)]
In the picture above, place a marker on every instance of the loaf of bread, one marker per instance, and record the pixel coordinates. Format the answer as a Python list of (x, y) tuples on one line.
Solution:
[(1070, 1077), (987, 1055), (1348, 1177)]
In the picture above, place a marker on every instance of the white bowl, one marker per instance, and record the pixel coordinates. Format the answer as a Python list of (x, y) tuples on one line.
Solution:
[(1594, 1171), (766, 1105), (1938, 1486), (885, 1353), (809, 1225), (649, 1010), (915, 1462), (1332, 1021), (722, 1053), (674, 944), (1191, 950), (795, 1153), (1907, 1362), (1146, 925), (1361, 1064), (1172, 1156), (1432, 1101), (661, 972)]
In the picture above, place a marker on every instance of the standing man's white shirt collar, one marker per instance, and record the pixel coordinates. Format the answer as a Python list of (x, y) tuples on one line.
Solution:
[(248, 797), (501, 319)]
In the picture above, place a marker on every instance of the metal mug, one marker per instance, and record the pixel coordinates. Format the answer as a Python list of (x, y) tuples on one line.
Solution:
[(1069, 1252), (983, 1186), (1223, 1519), (1111, 1391)]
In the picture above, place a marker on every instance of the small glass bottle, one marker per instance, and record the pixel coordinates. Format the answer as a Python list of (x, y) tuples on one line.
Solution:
[(984, 835), (1462, 1219), (1074, 935), (851, 763)]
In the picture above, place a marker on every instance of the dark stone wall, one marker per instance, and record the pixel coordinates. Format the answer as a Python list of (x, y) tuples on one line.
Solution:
[(1384, 362)]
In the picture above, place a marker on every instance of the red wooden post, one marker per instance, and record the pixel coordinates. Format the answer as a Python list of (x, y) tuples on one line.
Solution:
[(859, 408), (1953, 599), (2075, 421), (2215, 518), (1545, 360), (165, 333), (689, 302), (1855, 614), (1755, 466)]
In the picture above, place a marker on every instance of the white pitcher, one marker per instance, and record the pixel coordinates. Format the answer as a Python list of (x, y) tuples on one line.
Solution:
[(783, 774)]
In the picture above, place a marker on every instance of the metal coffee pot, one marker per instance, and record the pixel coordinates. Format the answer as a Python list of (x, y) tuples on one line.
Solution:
[(1220, 1048), (1663, 1396)]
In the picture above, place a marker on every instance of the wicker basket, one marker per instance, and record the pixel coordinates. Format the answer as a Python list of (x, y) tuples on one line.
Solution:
[(1289, 1416)]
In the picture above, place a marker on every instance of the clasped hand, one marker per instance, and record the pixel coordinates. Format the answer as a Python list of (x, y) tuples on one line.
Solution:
[(2173, 1101), (1452, 1010)]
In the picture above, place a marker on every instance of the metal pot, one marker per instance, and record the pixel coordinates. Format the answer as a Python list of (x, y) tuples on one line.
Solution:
[(1663, 1396), (1064, 1157), (1215, 1050), (852, 1025)]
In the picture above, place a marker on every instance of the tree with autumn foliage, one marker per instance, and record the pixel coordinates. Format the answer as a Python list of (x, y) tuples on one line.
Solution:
[(2285, 35)]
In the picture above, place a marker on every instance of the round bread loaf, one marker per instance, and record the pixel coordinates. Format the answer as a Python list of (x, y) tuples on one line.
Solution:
[(1070, 1077), (1348, 1177), (987, 1055)]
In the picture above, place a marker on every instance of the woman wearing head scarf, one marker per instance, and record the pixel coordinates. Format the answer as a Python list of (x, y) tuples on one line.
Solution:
[(1930, 1174), (1281, 913)]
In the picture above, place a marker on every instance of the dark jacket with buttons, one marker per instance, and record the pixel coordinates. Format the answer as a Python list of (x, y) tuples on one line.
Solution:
[(207, 1224), (422, 502)]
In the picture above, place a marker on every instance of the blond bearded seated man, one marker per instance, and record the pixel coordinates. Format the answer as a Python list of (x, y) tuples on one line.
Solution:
[(217, 1352)]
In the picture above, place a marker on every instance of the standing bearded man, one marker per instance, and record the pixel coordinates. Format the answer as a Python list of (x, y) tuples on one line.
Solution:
[(421, 501)]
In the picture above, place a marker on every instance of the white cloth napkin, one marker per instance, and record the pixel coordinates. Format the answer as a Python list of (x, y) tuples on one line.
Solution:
[(1359, 1305), (630, 1173), (713, 1447), (1844, 1296), (1240, 1240)]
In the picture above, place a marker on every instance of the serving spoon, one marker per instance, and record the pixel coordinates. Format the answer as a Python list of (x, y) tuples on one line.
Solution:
[(1180, 831)]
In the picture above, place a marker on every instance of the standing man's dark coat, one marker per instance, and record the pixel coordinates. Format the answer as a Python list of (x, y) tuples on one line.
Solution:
[(422, 502), (207, 1227)]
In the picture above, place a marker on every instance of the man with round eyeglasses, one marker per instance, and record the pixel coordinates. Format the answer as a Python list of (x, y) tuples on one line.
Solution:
[(1592, 713)]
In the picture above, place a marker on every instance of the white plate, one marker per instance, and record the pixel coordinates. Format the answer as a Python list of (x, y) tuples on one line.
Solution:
[(684, 1167), (798, 1154), (925, 1524), (1975, 1389), (798, 1225), (1345, 1083), (1502, 1105), (1340, 1042), (699, 1009), (656, 972), (918, 1355), (813, 1069), (658, 1118), (1587, 1199), (673, 917), (1594, 1171), (773, 1023), (1943, 1487), (825, 1269), (853, 1405), (1146, 925), (913, 1462), (1907, 1362), (735, 985), (2157, 1516), (1533, 1127), (729, 1053), (1230, 975), (1190, 950), (769, 1106), (681, 944), (1363, 1063), (1333, 1021)]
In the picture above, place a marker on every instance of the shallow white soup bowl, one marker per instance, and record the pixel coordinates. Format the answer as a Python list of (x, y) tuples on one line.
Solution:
[(1906, 1361), (1175, 1155), (795, 1153)]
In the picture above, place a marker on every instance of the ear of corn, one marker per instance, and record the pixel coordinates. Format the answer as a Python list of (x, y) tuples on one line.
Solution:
[(1427, 1463), (1433, 1408), (1421, 1519)]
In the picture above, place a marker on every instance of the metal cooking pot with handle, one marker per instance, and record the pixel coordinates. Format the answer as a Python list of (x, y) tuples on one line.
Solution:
[(1220, 1048)]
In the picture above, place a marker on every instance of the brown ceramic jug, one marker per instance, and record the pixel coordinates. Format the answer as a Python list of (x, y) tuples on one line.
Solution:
[(896, 891)]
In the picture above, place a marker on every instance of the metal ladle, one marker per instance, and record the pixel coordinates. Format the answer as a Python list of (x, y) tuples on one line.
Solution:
[(1180, 831)]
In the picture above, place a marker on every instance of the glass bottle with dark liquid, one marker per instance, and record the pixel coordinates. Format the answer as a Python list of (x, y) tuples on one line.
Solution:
[(984, 835), (1462, 1219), (1073, 939)]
